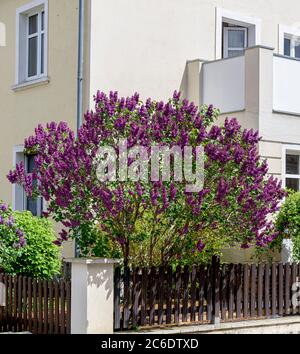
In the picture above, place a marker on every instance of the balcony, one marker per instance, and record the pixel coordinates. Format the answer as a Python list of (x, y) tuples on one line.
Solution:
[(259, 81)]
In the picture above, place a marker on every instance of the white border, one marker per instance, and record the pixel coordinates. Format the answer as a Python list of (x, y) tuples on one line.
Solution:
[(285, 148), (238, 19), (24, 10)]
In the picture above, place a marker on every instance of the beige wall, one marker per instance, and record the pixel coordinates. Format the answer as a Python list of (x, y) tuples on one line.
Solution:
[(21, 111), (143, 45)]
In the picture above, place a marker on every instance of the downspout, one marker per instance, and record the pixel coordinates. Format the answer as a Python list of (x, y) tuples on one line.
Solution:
[(80, 64), (80, 80)]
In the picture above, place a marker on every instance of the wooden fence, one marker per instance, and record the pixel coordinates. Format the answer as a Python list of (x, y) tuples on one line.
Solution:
[(36, 306), (160, 296)]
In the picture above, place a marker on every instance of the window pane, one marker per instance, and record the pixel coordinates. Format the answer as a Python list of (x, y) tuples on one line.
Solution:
[(292, 183), (31, 205), (235, 53), (236, 39), (30, 164), (42, 54), (287, 47), (43, 21), (32, 56), (33, 24), (292, 164), (297, 50)]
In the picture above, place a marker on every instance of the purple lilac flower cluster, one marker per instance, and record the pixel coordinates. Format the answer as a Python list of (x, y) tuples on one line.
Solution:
[(237, 194), (8, 221)]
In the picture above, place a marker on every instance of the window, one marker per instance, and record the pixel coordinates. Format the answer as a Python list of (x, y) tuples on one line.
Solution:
[(32, 42), (35, 206), (20, 201), (289, 41), (235, 32), (292, 46), (292, 170), (35, 45), (235, 41)]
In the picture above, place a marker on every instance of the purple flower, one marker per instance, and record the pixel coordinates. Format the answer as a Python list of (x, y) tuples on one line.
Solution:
[(3, 207), (200, 246)]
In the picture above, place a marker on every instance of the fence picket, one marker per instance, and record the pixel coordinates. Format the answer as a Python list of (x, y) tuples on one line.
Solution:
[(231, 292), (135, 297), (239, 292), (267, 301), (126, 310), (274, 290), (224, 282), (161, 292), (186, 276), (193, 294), (294, 279), (209, 292), (177, 294), (45, 307), (260, 290), (68, 307), (169, 294), (144, 297), (117, 298), (202, 278), (287, 289), (152, 296), (280, 291)]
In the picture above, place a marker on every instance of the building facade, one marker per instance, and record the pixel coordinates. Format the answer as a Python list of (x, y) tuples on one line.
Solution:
[(241, 56)]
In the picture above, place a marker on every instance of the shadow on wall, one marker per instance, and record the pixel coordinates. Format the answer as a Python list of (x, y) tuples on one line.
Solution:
[(184, 82), (98, 279), (2, 34), (191, 81)]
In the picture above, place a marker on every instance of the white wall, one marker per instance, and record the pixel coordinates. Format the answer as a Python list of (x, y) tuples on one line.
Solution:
[(143, 45), (286, 85), (223, 84)]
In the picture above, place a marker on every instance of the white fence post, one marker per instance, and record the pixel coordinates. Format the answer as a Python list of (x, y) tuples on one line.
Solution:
[(92, 297)]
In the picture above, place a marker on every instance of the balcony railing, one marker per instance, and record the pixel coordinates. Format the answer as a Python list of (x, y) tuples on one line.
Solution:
[(256, 81), (223, 83), (286, 93)]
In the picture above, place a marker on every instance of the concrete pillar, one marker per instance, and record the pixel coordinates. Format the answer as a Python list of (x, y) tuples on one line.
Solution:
[(259, 80), (92, 303), (191, 85)]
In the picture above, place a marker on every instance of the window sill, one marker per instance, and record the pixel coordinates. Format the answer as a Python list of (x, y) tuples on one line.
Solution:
[(30, 84)]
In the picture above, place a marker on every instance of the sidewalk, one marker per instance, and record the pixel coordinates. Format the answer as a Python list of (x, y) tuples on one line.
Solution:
[(285, 325)]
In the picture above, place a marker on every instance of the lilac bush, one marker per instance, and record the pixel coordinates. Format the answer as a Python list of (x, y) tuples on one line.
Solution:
[(236, 202)]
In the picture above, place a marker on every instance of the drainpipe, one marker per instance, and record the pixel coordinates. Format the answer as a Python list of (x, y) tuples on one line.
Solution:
[(80, 64), (80, 79)]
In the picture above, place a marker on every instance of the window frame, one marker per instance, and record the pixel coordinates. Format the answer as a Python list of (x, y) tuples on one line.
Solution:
[(290, 150), (294, 42), (226, 47), (19, 198), (39, 200), (252, 23), (36, 7), (291, 33)]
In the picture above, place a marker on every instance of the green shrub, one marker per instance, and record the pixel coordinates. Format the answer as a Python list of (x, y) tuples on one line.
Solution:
[(37, 256), (94, 243), (288, 223)]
